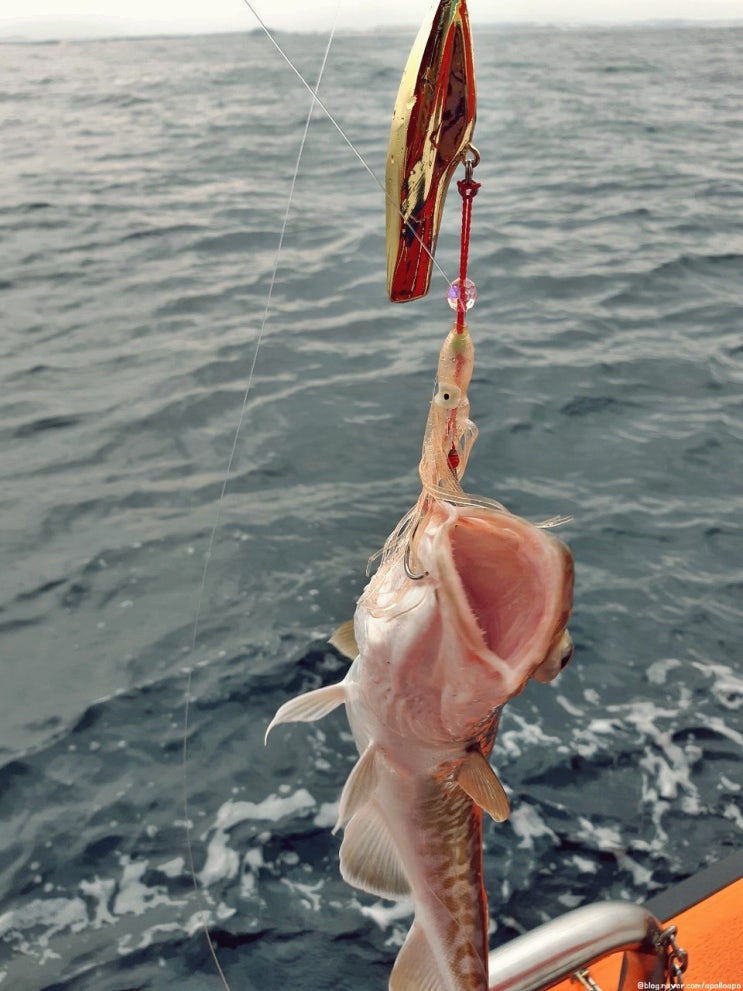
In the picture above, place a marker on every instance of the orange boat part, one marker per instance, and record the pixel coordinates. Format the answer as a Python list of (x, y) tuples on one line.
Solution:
[(711, 931)]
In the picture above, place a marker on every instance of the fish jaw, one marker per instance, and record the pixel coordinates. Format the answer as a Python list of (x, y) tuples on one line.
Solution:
[(439, 655)]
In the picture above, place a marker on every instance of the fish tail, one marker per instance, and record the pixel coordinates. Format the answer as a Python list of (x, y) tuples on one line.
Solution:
[(416, 964), (417, 968)]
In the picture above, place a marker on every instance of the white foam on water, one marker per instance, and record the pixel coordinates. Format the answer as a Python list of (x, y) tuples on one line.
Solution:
[(198, 921), (223, 863), (101, 891), (569, 901), (126, 944), (584, 865), (528, 734), (726, 686), (658, 671), (309, 895), (96, 903), (641, 876), (248, 885), (173, 868), (254, 859), (568, 706), (271, 809), (668, 767), (252, 863), (586, 740), (134, 897), (734, 814), (50, 915), (718, 726), (597, 837), (386, 914), (528, 825), (327, 815)]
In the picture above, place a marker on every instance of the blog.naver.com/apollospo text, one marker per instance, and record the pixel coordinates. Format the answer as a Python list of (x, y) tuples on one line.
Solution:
[(691, 986)]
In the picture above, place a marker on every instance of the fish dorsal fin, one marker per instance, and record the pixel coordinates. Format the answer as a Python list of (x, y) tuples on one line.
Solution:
[(309, 707), (478, 779), (415, 968), (369, 857), (359, 786), (344, 640)]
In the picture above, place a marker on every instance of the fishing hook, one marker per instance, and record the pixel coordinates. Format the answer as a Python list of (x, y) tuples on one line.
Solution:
[(406, 557)]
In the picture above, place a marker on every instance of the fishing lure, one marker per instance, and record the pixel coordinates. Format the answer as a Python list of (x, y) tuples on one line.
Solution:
[(469, 600), (432, 126)]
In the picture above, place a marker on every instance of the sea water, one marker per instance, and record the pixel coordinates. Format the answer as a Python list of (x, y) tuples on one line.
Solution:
[(143, 185)]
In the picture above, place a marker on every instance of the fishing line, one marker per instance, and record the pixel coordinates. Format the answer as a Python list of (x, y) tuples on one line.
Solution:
[(344, 136), (199, 891)]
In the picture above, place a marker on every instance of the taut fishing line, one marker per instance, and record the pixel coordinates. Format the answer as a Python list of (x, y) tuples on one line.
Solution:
[(228, 470)]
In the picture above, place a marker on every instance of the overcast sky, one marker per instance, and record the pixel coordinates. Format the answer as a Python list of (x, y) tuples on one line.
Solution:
[(174, 16)]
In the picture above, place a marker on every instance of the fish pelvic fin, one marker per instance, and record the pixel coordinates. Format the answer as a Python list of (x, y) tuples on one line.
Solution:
[(477, 779), (344, 640), (369, 856), (309, 707), (359, 786)]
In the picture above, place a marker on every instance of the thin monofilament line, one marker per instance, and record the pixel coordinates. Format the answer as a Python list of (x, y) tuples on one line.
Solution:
[(344, 136), (225, 481)]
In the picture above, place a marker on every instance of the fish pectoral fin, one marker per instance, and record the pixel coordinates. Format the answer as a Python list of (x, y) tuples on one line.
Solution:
[(369, 857), (415, 968), (478, 779), (359, 786), (309, 707), (344, 640)]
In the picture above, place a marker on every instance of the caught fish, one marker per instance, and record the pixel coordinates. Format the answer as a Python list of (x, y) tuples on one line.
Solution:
[(468, 603)]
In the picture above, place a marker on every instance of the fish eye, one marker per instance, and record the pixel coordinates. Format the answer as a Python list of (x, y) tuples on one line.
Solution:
[(568, 651), (556, 660), (562, 650), (447, 395)]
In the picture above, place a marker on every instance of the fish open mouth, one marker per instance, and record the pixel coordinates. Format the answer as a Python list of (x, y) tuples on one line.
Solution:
[(518, 582)]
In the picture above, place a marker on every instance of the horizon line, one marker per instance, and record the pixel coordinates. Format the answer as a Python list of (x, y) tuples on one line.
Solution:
[(90, 29)]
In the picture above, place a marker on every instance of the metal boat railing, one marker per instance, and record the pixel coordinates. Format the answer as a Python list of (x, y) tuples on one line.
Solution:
[(571, 943)]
